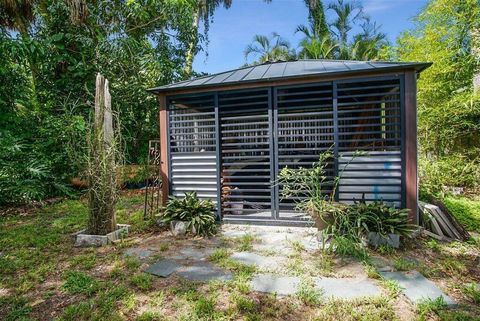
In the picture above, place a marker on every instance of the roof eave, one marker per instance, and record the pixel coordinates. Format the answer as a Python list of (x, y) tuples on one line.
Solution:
[(418, 67)]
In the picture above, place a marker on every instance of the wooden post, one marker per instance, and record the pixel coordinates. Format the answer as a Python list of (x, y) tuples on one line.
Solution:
[(164, 147), (411, 180)]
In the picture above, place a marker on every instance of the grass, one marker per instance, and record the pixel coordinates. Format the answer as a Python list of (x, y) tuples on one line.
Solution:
[(402, 264), (465, 210), (102, 284), (80, 283)]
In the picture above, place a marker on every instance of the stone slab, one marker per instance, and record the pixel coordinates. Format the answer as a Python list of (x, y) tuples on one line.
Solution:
[(194, 253), (204, 272), (139, 253), (255, 259), (163, 268), (82, 239), (347, 288), (416, 287), (281, 285)]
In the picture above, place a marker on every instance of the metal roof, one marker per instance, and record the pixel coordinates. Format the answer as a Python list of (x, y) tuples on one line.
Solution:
[(288, 69)]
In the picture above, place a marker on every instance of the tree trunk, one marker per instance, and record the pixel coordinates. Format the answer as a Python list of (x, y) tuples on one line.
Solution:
[(192, 45), (101, 164)]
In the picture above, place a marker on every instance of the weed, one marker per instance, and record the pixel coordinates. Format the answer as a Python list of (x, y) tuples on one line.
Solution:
[(375, 308), (452, 266), (433, 245), (129, 301), (391, 286), (472, 292), (204, 307), (132, 263), (150, 316), (243, 303), (163, 247), (80, 283), (371, 271), (141, 280), (427, 307), (324, 263), (346, 247), (245, 243), (401, 264), (157, 298), (308, 294), (297, 246), (84, 261), (219, 255), (386, 249)]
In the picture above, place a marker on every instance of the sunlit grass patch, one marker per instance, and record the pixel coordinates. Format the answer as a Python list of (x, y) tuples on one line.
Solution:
[(142, 281), (80, 283), (376, 308)]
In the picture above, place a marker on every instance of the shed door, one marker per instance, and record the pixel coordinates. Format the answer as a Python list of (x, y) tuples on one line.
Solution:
[(246, 153)]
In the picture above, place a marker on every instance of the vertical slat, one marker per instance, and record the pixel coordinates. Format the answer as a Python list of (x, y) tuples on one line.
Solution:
[(271, 121), (164, 160), (335, 133), (276, 192), (218, 136), (411, 144)]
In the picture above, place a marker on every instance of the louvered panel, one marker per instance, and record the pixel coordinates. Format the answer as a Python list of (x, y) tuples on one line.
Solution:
[(246, 145), (370, 141), (304, 130), (193, 160)]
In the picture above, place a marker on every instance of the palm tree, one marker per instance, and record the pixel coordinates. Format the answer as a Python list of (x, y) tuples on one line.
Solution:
[(346, 14), (367, 44), (271, 48), (315, 46), (316, 17)]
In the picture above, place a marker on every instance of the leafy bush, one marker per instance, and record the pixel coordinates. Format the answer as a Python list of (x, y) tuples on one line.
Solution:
[(465, 210), (452, 170), (198, 213)]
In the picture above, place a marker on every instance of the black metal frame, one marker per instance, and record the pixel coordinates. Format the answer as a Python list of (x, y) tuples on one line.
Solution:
[(273, 136)]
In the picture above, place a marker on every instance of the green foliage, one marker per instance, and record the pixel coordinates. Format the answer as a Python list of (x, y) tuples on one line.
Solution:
[(402, 264), (448, 111), (80, 283), (472, 292), (198, 213), (308, 294), (465, 210), (143, 281)]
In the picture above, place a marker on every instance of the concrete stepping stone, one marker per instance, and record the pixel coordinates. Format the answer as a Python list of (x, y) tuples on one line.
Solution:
[(139, 253), (204, 272), (417, 287), (163, 268), (347, 288), (255, 259), (194, 253), (281, 285)]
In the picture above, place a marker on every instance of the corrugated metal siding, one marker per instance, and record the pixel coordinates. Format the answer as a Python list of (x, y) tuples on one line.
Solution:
[(193, 162)]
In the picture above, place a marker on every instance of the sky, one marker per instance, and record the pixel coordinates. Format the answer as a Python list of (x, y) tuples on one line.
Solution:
[(233, 29)]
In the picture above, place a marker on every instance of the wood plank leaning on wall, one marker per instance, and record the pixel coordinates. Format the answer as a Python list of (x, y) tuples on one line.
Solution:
[(411, 144), (164, 147)]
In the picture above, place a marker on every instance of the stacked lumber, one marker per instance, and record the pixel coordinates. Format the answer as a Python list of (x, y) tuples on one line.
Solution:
[(440, 224)]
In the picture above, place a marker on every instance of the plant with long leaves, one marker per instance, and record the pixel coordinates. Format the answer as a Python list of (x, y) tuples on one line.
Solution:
[(198, 213)]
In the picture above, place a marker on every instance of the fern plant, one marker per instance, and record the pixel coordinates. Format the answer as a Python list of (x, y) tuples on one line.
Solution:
[(199, 214)]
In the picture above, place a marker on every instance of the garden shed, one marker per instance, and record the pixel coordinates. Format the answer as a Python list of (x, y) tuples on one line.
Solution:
[(228, 135)]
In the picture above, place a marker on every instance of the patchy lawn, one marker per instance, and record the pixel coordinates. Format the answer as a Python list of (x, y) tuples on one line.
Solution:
[(42, 277)]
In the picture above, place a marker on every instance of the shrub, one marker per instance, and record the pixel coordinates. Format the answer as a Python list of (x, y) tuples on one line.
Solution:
[(466, 211), (198, 213)]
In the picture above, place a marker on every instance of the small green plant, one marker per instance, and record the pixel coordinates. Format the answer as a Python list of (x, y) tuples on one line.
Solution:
[(345, 246), (402, 264), (372, 271), (198, 213), (427, 307), (142, 281), (245, 242), (433, 244), (391, 286), (472, 292), (308, 294), (80, 283), (204, 307), (150, 316)]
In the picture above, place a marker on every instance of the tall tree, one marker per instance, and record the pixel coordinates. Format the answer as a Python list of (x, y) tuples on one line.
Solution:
[(346, 14), (313, 46), (316, 18), (269, 49)]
